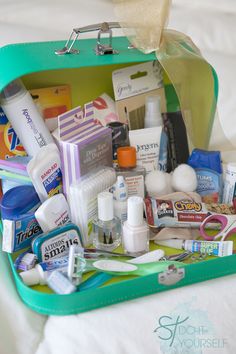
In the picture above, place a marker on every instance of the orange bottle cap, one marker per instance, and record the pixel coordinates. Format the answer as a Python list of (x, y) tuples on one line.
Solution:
[(126, 156)]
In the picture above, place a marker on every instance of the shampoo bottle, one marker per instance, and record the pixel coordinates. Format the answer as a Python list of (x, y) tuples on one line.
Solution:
[(24, 117)]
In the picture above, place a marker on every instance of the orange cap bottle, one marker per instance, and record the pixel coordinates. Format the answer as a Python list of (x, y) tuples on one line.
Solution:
[(126, 156)]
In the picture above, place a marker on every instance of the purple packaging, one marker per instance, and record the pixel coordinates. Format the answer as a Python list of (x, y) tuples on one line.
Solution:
[(84, 145)]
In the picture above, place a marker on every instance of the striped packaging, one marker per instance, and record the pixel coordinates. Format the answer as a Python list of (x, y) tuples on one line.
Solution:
[(84, 144)]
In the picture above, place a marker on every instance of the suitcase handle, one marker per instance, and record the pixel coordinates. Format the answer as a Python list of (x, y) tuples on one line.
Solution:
[(100, 49)]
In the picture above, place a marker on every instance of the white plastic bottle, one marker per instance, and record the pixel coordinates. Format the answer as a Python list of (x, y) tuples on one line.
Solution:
[(120, 196), (53, 212), (44, 170), (153, 118), (24, 117)]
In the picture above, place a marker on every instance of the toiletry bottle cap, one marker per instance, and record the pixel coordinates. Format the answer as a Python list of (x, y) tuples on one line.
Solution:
[(15, 88), (126, 156), (30, 277), (153, 111), (135, 211), (105, 206)]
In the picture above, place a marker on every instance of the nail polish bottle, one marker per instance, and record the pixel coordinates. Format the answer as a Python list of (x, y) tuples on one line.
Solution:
[(135, 230), (107, 228)]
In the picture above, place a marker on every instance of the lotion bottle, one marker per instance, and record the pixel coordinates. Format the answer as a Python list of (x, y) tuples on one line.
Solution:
[(24, 117), (135, 230)]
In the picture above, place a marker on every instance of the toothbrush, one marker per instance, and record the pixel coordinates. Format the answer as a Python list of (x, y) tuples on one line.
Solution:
[(99, 279), (124, 268)]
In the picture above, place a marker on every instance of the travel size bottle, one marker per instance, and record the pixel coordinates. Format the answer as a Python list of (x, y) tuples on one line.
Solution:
[(24, 117), (107, 228), (135, 236), (153, 118), (133, 175), (120, 196)]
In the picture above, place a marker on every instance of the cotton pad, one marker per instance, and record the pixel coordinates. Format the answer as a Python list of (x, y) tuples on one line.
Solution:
[(184, 179), (158, 183)]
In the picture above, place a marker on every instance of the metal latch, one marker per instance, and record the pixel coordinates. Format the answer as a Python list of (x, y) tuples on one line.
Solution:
[(171, 276), (101, 48)]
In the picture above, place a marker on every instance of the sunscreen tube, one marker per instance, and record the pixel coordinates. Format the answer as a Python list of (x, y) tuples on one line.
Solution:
[(40, 273), (212, 248)]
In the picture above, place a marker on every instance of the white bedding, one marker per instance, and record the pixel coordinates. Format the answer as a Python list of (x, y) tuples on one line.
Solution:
[(128, 328)]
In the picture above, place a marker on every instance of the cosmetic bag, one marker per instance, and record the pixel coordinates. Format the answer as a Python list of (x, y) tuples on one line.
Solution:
[(87, 66)]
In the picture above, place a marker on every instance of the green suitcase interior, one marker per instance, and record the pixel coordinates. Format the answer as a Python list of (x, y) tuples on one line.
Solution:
[(88, 76)]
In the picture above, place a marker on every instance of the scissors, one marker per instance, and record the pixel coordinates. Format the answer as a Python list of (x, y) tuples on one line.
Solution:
[(227, 226)]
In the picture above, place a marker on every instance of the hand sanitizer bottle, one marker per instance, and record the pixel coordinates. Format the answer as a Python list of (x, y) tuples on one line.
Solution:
[(24, 117), (107, 228)]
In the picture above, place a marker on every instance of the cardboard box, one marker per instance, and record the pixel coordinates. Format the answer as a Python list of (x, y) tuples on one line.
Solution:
[(84, 145)]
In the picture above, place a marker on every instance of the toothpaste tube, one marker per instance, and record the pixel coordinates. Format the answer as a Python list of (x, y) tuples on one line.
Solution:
[(180, 213), (212, 248), (57, 242), (40, 273), (19, 233)]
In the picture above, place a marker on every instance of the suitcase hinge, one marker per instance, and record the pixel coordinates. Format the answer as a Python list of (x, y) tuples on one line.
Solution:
[(171, 276)]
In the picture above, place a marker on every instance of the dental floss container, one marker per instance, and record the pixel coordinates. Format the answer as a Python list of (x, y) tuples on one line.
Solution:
[(22, 113), (53, 212), (44, 170), (18, 201)]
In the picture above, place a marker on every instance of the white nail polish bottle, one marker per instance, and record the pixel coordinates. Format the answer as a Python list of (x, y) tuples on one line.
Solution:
[(135, 229)]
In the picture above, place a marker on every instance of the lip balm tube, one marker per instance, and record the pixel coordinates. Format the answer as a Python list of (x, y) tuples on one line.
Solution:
[(212, 248)]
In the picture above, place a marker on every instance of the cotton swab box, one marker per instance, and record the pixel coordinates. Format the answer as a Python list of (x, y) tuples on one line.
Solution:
[(83, 199)]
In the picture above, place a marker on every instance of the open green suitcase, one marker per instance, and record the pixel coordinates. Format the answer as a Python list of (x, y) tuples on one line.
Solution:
[(39, 66)]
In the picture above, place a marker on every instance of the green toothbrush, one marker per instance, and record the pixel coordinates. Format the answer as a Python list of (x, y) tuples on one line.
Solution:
[(123, 268)]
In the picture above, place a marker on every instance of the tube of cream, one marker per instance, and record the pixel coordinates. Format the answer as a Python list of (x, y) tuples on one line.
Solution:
[(212, 248), (39, 274)]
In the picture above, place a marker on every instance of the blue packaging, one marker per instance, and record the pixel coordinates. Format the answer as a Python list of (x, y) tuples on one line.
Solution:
[(163, 152), (57, 242), (18, 201), (19, 223), (208, 167)]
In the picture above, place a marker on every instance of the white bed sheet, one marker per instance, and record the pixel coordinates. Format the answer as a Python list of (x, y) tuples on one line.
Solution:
[(126, 328)]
